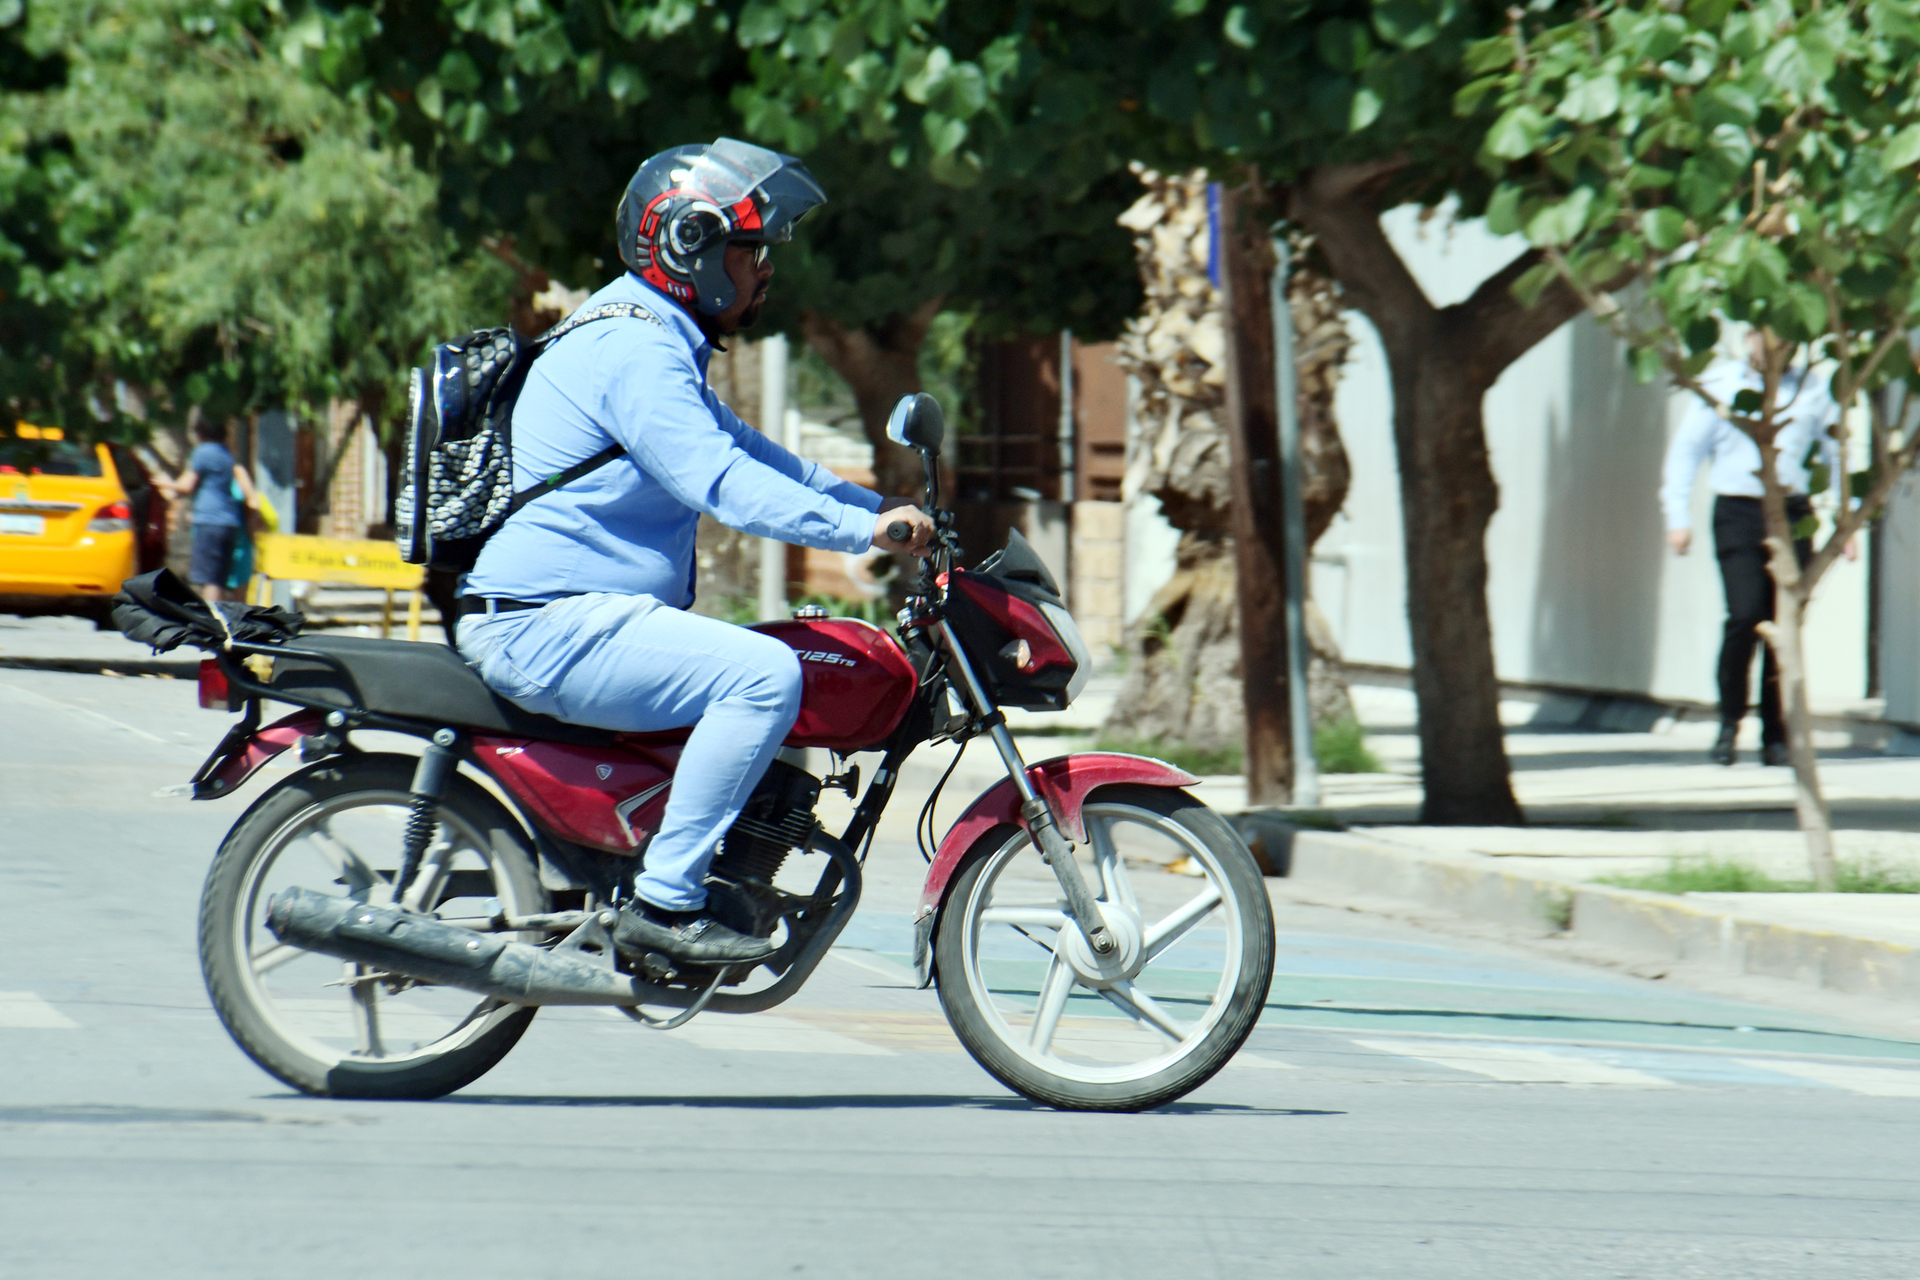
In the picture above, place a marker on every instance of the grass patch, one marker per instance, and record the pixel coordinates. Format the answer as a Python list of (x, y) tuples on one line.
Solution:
[(1557, 910), (1712, 875), (1180, 755), (1341, 747)]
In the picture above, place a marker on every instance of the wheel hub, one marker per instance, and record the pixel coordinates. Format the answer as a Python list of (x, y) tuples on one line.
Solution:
[(1118, 965)]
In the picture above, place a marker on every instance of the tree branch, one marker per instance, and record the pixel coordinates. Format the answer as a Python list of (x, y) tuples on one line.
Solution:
[(1496, 328), (1340, 205)]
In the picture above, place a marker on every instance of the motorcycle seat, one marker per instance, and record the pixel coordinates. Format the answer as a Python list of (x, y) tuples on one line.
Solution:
[(413, 681)]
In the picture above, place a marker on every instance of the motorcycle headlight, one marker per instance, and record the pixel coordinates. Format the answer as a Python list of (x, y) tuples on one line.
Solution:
[(1069, 632)]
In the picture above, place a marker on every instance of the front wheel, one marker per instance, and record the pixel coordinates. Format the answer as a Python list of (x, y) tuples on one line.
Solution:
[(332, 1027), (1051, 1020)]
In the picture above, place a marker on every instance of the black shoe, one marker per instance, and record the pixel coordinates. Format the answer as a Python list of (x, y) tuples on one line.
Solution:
[(1722, 751), (1774, 753), (694, 937)]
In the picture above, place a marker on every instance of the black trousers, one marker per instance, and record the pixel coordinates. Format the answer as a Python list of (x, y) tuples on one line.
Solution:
[(1739, 531)]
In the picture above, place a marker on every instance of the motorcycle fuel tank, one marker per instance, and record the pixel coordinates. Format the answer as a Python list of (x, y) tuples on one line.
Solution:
[(856, 681)]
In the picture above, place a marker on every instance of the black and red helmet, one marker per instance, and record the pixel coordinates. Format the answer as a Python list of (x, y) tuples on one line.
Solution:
[(685, 205)]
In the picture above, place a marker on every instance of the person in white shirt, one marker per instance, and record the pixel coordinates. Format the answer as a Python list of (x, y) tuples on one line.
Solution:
[(1806, 411)]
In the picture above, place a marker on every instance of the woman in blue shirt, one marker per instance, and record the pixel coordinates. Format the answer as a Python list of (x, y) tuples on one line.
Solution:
[(219, 516)]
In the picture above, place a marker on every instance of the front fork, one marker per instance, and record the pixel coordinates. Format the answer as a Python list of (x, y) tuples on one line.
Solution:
[(1054, 848)]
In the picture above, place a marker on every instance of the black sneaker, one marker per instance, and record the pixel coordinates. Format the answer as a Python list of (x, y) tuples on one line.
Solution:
[(691, 936), (1775, 753), (1722, 751)]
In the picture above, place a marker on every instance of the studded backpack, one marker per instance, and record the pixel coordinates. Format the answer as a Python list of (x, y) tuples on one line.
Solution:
[(456, 475)]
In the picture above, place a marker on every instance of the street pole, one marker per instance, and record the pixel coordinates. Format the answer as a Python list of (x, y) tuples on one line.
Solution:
[(773, 422), (1254, 472), (1306, 769), (1067, 459)]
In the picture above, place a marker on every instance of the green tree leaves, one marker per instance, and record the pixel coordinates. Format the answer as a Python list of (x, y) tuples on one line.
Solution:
[(1748, 161), (224, 232)]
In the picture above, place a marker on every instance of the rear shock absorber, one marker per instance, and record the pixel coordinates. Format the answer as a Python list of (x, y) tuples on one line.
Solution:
[(423, 806)]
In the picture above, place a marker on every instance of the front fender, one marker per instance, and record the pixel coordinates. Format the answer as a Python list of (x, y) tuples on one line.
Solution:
[(1065, 782)]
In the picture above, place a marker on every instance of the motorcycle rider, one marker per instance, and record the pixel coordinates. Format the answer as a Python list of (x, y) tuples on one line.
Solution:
[(577, 606)]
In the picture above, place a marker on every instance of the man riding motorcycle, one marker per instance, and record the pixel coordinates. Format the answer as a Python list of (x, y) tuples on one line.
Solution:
[(577, 606)]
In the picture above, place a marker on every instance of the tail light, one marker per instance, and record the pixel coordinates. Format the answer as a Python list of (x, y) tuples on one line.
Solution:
[(214, 693), (115, 517)]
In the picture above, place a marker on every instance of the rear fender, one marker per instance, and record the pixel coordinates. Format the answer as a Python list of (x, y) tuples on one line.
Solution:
[(240, 755), (1065, 782)]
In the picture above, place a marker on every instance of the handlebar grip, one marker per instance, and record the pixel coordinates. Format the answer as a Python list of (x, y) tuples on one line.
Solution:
[(900, 531)]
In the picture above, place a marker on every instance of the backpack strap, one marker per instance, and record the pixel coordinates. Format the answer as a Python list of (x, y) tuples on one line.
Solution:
[(607, 311)]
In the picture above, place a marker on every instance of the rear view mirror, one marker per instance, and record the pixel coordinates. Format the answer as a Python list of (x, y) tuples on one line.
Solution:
[(917, 422)]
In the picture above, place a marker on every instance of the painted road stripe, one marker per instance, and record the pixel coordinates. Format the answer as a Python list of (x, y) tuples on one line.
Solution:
[(770, 1033), (25, 1009), (1518, 1066), (1878, 1082)]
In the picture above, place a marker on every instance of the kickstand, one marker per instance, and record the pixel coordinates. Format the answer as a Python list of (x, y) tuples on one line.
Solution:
[(685, 1015)]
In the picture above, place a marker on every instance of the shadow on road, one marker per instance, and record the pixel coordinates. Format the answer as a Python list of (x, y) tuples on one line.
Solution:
[(834, 1102)]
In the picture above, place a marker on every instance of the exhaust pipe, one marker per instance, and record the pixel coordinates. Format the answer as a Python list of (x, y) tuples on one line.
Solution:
[(422, 947)]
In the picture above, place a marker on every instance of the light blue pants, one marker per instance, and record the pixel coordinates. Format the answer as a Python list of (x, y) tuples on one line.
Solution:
[(632, 664)]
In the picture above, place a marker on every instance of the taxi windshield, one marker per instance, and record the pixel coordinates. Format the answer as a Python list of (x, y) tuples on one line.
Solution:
[(48, 458)]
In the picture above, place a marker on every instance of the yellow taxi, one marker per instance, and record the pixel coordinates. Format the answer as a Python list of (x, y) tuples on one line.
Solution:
[(76, 520)]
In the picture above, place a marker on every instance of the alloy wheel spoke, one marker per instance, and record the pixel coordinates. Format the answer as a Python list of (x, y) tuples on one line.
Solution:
[(1031, 917), (1053, 1002), (1142, 1007), (1172, 927), (1116, 887), (267, 959), (353, 869)]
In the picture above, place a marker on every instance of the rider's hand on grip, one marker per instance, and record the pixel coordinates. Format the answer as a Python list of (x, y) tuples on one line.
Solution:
[(904, 528)]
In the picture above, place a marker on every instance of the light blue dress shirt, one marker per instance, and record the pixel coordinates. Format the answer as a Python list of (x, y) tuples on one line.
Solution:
[(629, 527), (1807, 410)]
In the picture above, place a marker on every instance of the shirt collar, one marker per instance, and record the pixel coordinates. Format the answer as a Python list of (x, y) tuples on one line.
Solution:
[(675, 316)]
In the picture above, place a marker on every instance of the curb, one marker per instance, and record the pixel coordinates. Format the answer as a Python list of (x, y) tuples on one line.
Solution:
[(179, 669), (1658, 924)]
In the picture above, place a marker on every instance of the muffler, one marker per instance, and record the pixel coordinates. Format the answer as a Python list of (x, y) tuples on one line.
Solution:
[(418, 946)]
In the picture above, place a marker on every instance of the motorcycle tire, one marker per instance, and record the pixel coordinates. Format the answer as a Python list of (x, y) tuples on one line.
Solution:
[(348, 812), (1178, 1038)]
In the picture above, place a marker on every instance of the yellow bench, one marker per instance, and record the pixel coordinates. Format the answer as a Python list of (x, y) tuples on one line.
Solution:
[(289, 557)]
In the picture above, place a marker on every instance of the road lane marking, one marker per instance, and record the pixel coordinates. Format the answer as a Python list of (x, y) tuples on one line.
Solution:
[(1259, 1062), (1877, 1082), (25, 1009), (770, 1033), (1518, 1066), (109, 721), (873, 964)]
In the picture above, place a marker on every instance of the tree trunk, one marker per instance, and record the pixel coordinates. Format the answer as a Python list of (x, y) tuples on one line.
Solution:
[(880, 363), (1259, 543), (1787, 636), (1447, 497), (1442, 360)]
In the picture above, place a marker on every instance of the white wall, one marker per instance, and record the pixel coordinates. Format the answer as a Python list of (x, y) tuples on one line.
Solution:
[(1580, 586)]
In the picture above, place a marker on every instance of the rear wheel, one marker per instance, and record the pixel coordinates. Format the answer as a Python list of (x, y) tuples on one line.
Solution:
[(328, 1026), (1051, 1020)]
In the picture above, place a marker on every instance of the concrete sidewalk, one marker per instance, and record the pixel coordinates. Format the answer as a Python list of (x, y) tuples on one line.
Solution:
[(1625, 804)]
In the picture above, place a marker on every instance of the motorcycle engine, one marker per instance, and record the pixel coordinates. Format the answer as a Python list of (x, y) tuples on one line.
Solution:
[(776, 819)]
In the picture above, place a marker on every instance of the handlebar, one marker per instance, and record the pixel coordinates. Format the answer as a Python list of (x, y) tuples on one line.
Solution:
[(900, 531)]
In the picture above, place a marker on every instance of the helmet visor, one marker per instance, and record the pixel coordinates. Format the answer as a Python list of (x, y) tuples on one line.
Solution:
[(729, 172)]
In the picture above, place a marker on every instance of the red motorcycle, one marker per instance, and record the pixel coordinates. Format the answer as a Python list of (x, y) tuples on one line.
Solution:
[(387, 925)]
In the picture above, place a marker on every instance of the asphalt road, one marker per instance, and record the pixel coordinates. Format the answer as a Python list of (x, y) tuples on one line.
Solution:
[(1412, 1105)]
